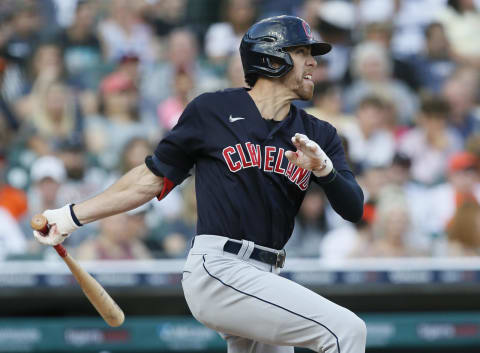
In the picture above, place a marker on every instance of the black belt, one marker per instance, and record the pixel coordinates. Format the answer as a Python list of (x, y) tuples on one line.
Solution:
[(268, 257)]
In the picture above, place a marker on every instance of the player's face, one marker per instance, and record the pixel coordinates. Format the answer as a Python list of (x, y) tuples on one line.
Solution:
[(299, 78)]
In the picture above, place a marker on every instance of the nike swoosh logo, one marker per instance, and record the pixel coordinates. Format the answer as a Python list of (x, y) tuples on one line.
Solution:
[(232, 120)]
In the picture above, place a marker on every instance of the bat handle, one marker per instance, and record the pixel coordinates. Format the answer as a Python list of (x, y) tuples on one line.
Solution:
[(40, 223), (60, 250)]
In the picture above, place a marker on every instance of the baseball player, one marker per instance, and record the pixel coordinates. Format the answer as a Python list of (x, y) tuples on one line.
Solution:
[(255, 155)]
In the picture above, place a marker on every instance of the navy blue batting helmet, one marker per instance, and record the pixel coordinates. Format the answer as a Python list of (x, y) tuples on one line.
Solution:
[(269, 39)]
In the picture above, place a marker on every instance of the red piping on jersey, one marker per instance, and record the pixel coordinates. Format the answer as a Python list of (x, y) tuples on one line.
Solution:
[(168, 185)]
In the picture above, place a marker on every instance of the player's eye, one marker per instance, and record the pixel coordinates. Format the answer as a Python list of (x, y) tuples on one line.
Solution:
[(302, 51)]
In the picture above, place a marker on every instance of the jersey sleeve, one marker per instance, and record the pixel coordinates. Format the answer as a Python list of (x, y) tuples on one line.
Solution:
[(176, 154)]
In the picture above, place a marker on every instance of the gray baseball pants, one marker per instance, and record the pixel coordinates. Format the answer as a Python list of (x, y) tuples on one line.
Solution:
[(256, 310)]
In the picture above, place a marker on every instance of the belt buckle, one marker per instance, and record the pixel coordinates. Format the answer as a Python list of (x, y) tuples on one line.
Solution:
[(281, 255)]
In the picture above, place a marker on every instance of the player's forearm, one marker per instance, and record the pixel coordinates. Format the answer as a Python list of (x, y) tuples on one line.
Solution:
[(133, 189), (344, 194)]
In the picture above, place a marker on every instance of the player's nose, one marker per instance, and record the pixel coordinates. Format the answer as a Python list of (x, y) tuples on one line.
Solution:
[(311, 61)]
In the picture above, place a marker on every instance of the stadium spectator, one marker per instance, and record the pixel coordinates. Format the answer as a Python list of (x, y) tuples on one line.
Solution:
[(416, 196), (170, 109), (392, 226), (46, 73), (336, 21), (402, 70), (12, 200), (81, 47), (53, 116), (114, 242), (462, 184), (45, 67), (12, 239), (123, 31), (223, 38), (349, 240), (12, 74), (372, 72), (310, 225), (309, 11), (371, 144), (235, 77), (164, 16), (173, 236), (463, 231), (107, 134), (128, 64), (134, 154), (9, 121), (431, 143), (472, 145), (181, 56), (460, 92), (461, 20), (433, 65), (407, 17), (139, 226), (25, 34), (327, 105), (81, 181), (47, 175)]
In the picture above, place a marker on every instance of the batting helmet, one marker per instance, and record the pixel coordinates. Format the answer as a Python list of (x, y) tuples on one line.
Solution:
[(269, 38)]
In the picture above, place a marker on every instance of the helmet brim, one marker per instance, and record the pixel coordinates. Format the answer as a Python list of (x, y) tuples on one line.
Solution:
[(319, 48)]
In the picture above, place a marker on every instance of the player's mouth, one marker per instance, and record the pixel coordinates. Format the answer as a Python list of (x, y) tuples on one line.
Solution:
[(307, 77)]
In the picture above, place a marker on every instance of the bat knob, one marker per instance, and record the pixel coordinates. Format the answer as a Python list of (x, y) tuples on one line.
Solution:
[(40, 224)]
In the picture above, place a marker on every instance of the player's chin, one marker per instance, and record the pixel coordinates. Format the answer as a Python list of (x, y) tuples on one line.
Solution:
[(305, 94)]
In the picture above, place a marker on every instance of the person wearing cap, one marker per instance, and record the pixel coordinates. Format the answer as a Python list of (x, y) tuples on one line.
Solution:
[(336, 21), (108, 133), (46, 175)]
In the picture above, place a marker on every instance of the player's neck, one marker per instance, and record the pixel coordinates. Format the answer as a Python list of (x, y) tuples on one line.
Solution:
[(272, 101)]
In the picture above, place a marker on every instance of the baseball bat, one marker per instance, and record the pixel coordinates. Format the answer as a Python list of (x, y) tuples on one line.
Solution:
[(96, 294)]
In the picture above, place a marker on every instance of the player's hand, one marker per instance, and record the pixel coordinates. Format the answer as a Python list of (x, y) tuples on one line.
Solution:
[(61, 226), (53, 238), (309, 156)]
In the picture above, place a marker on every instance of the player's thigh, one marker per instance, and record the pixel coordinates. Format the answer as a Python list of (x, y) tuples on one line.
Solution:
[(238, 299)]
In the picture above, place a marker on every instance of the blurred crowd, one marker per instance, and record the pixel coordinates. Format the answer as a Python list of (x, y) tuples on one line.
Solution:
[(87, 89)]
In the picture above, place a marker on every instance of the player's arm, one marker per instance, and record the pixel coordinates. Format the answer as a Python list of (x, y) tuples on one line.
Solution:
[(341, 188), (133, 189)]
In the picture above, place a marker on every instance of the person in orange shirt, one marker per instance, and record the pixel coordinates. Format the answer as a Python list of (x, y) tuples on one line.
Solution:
[(12, 199)]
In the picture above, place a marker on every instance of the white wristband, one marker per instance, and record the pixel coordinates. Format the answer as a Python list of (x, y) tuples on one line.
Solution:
[(62, 217), (63, 223)]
